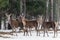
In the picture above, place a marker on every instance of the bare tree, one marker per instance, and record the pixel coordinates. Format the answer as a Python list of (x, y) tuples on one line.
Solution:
[(24, 6), (57, 10), (21, 6), (51, 10), (47, 3)]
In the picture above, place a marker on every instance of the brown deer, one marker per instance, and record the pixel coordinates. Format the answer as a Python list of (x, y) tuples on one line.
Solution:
[(13, 23), (20, 22), (28, 25), (50, 24), (40, 22)]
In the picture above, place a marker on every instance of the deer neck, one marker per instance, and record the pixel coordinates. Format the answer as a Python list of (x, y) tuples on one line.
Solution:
[(24, 21), (10, 20)]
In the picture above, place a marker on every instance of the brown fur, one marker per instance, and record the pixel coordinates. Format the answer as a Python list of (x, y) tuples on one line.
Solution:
[(13, 23), (29, 25), (47, 25)]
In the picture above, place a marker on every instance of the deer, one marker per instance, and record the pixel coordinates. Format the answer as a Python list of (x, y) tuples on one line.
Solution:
[(13, 23), (28, 25)]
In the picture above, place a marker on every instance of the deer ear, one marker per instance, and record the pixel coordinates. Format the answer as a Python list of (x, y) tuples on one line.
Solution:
[(6, 14), (10, 14)]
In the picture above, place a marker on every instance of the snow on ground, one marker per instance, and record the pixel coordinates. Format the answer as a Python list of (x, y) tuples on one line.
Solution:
[(33, 37)]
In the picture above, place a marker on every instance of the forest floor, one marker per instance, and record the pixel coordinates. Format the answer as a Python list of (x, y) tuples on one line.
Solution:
[(7, 35)]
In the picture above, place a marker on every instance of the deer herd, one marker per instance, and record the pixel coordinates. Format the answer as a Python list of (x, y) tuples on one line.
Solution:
[(38, 24)]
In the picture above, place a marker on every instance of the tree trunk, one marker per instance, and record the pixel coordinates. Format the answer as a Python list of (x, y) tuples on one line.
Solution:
[(2, 24), (21, 6), (47, 3), (25, 7), (58, 10), (0, 21), (51, 15)]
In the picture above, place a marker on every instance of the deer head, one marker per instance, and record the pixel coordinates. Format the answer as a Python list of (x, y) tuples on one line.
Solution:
[(8, 16)]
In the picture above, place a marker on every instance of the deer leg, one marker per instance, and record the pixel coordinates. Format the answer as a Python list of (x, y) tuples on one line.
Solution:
[(36, 31), (24, 32), (54, 33), (44, 33), (36, 28), (30, 32), (15, 32), (12, 31), (47, 32), (27, 32), (39, 30)]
